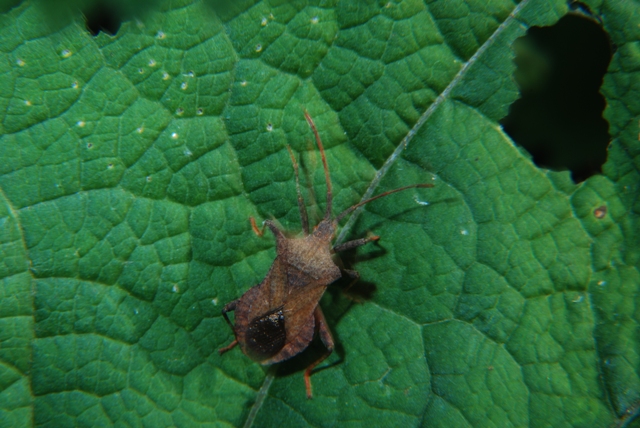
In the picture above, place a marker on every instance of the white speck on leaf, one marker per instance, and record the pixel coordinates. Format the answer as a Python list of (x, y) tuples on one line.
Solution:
[(66, 53), (184, 86), (160, 35), (174, 135), (140, 130), (80, 123), (418, 201), (152, 62), (264, 22), (258, 47), (269, 127), (165, 76), (314, 20), (464, 232), (20, 62)]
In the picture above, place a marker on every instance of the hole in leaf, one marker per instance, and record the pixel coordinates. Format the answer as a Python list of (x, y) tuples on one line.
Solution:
[(108, 15), (100, 17), (558, 118), (7, 5)]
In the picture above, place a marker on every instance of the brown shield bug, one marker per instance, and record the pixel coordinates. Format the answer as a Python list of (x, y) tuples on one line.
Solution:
[(279, 317)]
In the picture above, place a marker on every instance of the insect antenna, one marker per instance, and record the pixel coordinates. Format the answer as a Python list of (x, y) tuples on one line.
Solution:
[(304, 218), (381, 195), (327, 214)]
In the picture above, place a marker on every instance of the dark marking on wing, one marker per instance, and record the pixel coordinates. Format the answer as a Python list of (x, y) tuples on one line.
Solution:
[(266, 335)]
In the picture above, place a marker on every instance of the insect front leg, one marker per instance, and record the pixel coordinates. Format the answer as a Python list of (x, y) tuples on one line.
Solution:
[(354, 275), (327, 339), (255, 228), (267, 223), (355, 243), (231, 306)]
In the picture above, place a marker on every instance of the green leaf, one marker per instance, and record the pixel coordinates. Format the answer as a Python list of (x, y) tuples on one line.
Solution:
[(129, 166)]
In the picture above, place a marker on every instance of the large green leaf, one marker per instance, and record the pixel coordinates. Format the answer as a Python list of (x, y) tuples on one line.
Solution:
[(129, 166)]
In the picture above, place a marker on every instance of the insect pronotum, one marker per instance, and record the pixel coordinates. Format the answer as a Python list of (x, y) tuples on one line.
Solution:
[(279, 317)]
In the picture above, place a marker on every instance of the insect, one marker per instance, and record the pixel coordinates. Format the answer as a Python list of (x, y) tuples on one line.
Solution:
[(279, 317)]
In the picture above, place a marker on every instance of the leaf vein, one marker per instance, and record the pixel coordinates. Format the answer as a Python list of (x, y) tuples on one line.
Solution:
[(427, 114)]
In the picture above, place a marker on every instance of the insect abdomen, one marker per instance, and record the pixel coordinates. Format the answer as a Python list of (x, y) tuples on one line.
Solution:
[(266, 335)]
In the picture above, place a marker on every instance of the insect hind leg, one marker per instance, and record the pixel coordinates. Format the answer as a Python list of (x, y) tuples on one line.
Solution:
[(327, 339)]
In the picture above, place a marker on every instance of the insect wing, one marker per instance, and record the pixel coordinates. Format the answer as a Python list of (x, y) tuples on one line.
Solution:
[(266, 335)]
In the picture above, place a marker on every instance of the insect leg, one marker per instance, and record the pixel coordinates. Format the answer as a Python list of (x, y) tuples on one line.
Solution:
[(257, 231), (267, 223), (231, 306), (304, 218), (327, 339), (228, 347), (354, 275), (355, 243)]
